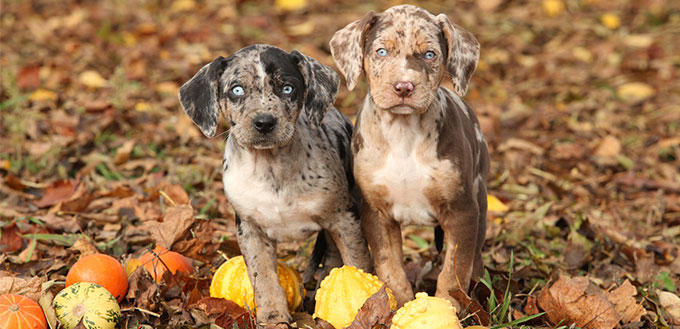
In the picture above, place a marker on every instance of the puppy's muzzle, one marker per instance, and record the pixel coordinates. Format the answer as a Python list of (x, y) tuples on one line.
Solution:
[(403, 88), (264, 123)]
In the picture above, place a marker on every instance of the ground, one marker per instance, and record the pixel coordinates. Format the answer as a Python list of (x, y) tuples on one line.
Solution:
[(578, 99)]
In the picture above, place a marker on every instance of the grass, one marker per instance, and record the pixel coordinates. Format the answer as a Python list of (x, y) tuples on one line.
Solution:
[(499, 310)]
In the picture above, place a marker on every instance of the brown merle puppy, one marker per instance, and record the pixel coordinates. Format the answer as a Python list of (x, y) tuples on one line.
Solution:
[(419, 155), (286, 166)]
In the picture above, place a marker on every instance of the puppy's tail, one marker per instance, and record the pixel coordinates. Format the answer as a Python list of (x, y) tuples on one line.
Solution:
[(316, 258), (325, 256), (439, 238)]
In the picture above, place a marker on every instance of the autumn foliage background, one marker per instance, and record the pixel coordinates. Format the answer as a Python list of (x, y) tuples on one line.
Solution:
[(578, 99)]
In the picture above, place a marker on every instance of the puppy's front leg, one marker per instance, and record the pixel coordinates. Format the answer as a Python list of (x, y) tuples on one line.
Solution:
[(460, 235), (260, 256), (384, 238), (345, 229)]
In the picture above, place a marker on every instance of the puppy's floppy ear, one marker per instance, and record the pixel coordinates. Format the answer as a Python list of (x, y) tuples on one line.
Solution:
[(201, 97), (321, 87), (347, 47), (463, 53)]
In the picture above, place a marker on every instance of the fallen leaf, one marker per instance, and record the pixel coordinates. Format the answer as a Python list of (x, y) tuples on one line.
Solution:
[(182, 5), (46, 303), (488, 5), (28, 77), (59, 191), (623, 299), (582, 54), (553, 8), (92, 79), (494, 204), (290, 5), (123, 152), (29, 287), (227, 313), (634, 92), (176, 220), (671, 303), (471, 306), (375, 312), (576, 300), (84, 246), (176, 193), (610, 20), (42, 95), (167, 87), (323, 324), (638, 40), (10, 241), (609, 146), (531, 308)]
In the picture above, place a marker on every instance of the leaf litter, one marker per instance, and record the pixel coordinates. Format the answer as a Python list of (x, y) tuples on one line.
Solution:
[(577, 99)]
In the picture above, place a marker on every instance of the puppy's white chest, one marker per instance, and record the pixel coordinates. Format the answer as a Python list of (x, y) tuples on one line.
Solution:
[(283, 214), (407, 176)]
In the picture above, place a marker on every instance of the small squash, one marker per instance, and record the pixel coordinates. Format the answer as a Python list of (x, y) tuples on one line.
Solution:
[(231, 282), (20, 312), (343, 292), (103, 270), (87, 302), (426, 312), (161, 260)]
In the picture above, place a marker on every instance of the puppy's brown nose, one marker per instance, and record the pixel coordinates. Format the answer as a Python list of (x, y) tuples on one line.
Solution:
[(264, 123), (403, 88)]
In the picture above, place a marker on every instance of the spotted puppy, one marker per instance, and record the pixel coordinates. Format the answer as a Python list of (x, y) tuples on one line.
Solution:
[(419, 155), (286, 166)]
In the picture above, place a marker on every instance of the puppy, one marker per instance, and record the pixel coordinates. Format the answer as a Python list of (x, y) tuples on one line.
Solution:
[(419, 154), (286, 166)]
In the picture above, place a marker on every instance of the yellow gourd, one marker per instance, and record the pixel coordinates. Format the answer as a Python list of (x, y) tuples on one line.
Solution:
[(231, 282), (343, 292), (426, 312), (87, 302)]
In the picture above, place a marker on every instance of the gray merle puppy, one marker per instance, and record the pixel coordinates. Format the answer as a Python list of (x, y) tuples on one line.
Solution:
[(287, 162)]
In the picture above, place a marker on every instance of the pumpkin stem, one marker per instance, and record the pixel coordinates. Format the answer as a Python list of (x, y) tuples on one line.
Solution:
[(14, 307), (79, 310)]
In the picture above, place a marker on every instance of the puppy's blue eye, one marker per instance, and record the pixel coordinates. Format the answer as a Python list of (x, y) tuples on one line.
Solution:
[(430, 54), (287, 89), (382, 52), (238, 91)]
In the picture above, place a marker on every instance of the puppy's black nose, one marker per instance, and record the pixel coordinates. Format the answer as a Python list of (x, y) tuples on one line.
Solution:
[(264, 123), (403, 88)]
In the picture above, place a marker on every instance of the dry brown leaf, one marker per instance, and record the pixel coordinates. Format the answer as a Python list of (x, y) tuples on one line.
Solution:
[(671, 303), (92, 79), (176, 220), (29, 287), (576, 300), (10, 241), (176, 193), (488, 5), (610, 146), (123, 152), (471, 306), (623, 299), (634, 92), (375, 312), (226, 312), (28, 77), (85, 247), (46, 299), (57, 192)]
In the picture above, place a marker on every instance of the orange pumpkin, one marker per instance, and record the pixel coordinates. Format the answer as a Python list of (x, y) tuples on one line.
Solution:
[(19, 312), (164, 260), (103, 270)]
